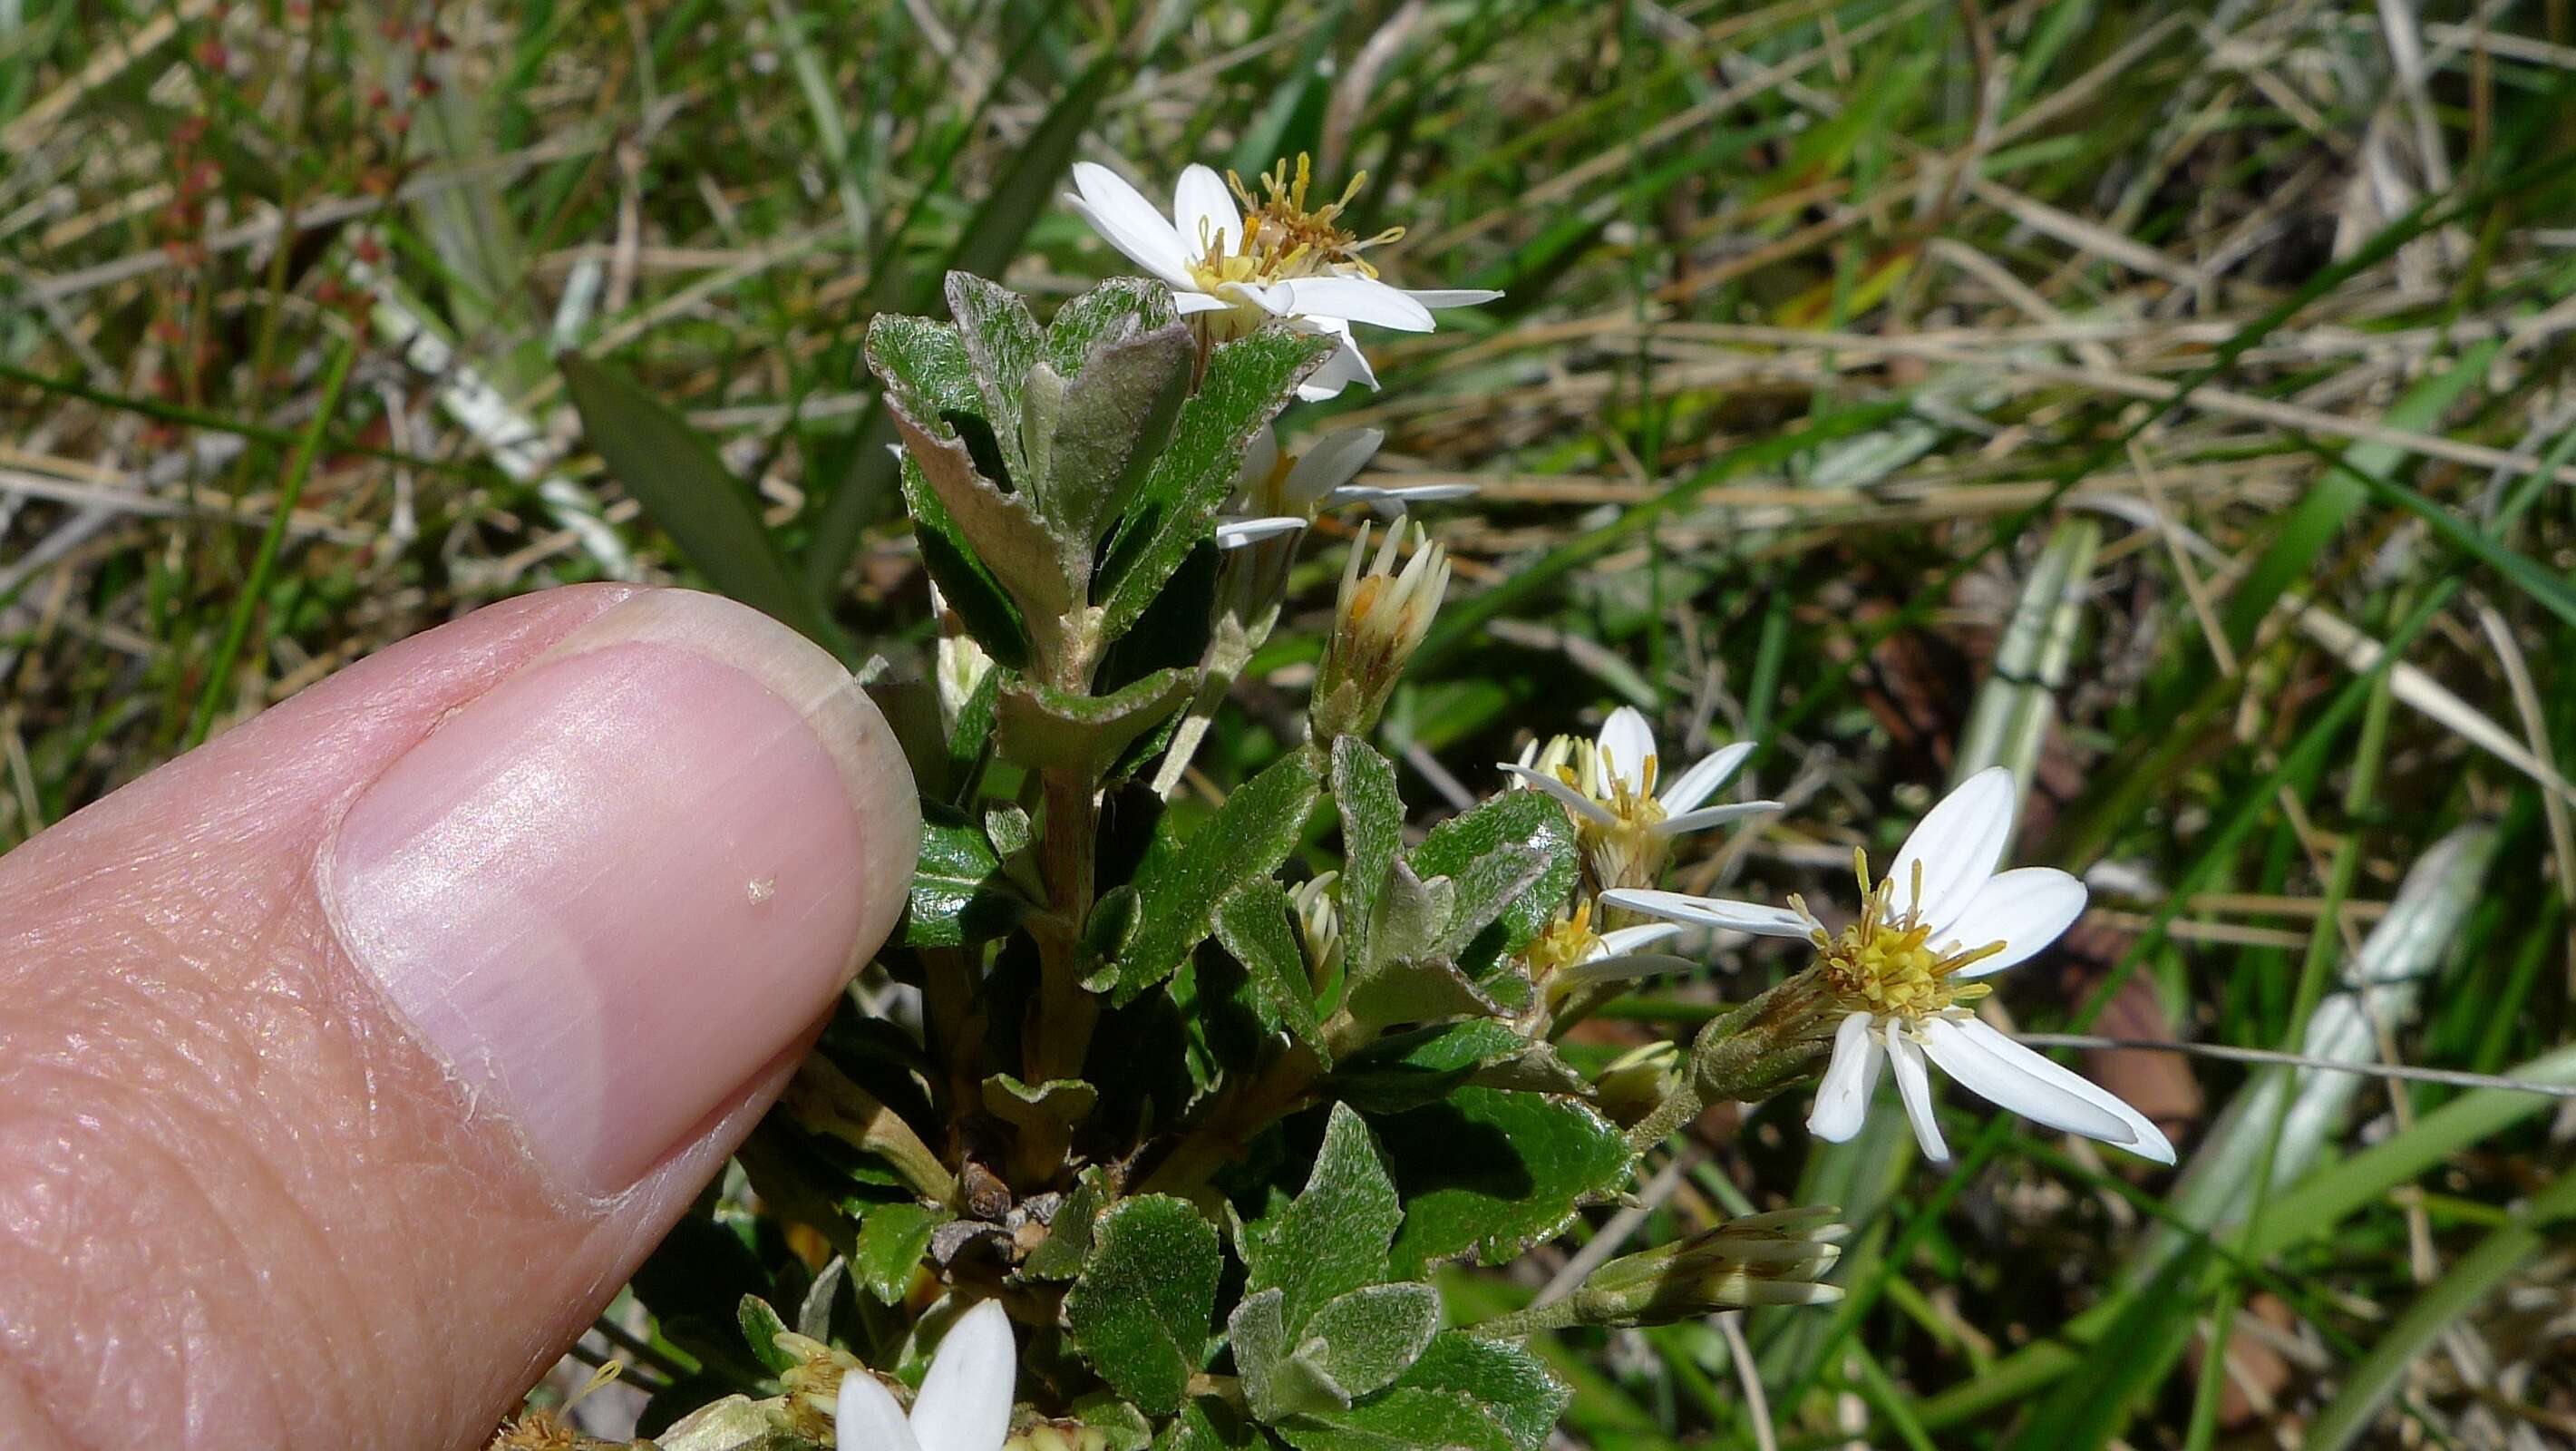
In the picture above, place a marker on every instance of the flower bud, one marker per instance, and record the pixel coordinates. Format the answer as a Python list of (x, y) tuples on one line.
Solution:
[(1760, 1259), (1378, 623), (1319, 926), (1636, 1081)]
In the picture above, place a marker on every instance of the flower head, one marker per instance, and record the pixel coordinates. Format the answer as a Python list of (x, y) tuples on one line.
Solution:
[(1285, 255), (1900, 978), (1624, 825), (1378, 622), (965, 1400), (1568, 952)]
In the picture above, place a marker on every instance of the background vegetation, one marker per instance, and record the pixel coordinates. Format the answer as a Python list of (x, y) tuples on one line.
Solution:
[(2168, 401)]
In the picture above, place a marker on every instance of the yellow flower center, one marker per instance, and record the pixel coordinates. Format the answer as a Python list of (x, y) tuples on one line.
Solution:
[(1885, 963), (1283, 239), (1627, 853), (1562, 943)]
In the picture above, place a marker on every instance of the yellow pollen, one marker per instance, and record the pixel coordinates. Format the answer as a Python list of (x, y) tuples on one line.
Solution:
[(1885, 962)]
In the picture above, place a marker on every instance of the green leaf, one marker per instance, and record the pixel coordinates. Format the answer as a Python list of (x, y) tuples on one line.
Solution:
[(985, 608), (1418, 990), (1364, 792), (1514, 1388), (762, 1327), (1125, 1426), (1057, 1102), (1492, 1172), (1247, 839), (1111, 426), (1497, 882), (999, 529), (675, 475), (1246, 383), (1043, 727), (1363, 1340), (892, 1239), (1252, 923), (1408, 1070), (1530, 819), (1068, 1241), (959, 894), (1121, 307), (1210, 1425), (1003, 341), (924, 365), (1333, 1237), (1141, 1309), (1403, 1419), (1276, 1383)]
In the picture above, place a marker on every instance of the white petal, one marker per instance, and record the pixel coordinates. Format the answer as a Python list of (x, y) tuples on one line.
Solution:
[(1626, 966), (1120, 213), (2025, 909), (867, 1418), (1851, 1076), (1260, 455), (1958, 843), (965, 1400), (1451, 296), (1696, 785), (1332, 462), (1272, 298), (2150, 1143), (1915, 1087), (1620, 941), (1708, 816), (1358, 299), (1734, 916), (1626, 741), (2007, 1082), (1398, 495), (1346, 366), (1582, 805), (1236, 533), (1186, 302), (1203, 212)]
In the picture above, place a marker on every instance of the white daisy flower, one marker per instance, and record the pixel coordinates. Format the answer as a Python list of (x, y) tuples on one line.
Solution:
[(1231, 268), (965, 1400), (1280, 493), (1902, 975), (1624, 825)]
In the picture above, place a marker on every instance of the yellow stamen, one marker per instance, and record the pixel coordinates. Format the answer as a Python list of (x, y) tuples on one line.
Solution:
[(1885, 963)]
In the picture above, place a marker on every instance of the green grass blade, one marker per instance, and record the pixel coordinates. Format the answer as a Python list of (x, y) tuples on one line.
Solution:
[(675, 474)]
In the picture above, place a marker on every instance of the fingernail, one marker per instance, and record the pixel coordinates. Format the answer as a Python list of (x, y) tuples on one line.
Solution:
[(609, 890)]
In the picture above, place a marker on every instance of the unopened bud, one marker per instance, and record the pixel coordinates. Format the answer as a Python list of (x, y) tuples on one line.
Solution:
[(1637, 1081), (1319, 926), (1379, 621), (1761, 1259)]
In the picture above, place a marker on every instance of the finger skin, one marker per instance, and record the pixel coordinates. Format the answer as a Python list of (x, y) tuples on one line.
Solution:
[(240, 1204)]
